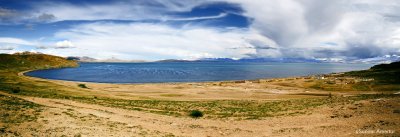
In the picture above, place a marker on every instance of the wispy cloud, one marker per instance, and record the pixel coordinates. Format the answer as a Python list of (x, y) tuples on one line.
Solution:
[(64, 44), (17, 41), (221, 15), (8, 15), (123, 10), (7, 47)]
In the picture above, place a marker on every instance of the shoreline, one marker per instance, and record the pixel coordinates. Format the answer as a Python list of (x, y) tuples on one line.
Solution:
[(259, 89), (187, 82), (193, 82), (310, 93)]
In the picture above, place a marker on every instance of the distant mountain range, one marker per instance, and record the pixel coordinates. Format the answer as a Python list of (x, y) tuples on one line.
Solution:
[(89, 59), (283, 60), (286, 60), (382, 59)]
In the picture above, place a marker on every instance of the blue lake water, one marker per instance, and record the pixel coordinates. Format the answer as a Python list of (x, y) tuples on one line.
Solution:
[(189, 71)]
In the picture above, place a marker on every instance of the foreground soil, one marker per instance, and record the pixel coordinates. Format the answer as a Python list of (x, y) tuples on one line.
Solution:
[(59, 117), (105, 109)]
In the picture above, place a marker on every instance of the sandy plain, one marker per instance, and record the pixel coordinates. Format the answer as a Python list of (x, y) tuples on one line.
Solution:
[(376, 116)]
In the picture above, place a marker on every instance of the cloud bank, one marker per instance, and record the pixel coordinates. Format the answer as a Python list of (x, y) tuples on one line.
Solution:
[(329, 30), (357, 29), (155, 41)]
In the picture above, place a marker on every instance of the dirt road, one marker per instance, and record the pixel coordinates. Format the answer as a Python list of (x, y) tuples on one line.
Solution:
[(70, 118)]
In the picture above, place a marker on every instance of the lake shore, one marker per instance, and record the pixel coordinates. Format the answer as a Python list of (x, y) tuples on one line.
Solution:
[(295, 106), (183, 72), (328, 120), (259, 89)]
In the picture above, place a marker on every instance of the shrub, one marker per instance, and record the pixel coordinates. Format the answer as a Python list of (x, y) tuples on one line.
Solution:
[(15, 90), (82, 86), (196, 114)]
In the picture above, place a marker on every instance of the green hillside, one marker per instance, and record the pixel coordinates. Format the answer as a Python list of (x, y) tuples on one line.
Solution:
[(28, 61), (12, 64), (382, 73)]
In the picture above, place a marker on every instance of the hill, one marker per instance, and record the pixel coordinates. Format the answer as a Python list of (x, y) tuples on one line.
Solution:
[(382, 73), (28, 61), (12, 64), (391, 66)]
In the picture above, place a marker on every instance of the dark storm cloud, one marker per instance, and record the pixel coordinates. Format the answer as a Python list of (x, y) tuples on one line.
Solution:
[(364, 51), (359, 29)]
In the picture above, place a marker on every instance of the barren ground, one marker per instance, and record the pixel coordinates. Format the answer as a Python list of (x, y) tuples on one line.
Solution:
[(377, 116)]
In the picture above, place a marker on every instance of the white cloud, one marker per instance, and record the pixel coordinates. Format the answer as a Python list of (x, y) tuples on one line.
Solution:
[(17, 41), (156, 41), (122, 10), (360, 29), (64, 44)]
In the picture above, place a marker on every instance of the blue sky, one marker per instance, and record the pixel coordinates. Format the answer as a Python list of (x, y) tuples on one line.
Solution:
[(192, 29)]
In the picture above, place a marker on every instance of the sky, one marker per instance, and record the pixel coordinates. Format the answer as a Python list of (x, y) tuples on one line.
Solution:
[(333, 30)]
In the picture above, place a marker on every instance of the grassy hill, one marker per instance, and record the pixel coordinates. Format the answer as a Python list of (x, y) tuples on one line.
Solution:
[(379, 78), (12, 64), (29, 61), (382, 73)]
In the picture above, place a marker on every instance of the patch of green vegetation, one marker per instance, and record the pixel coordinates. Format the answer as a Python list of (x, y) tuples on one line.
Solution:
[(171, 95), (374, 96), (82, 86), (249, 109), (383, 75), (362, 86), (320, 85), (14, 110), (196, 114), (15, 90)]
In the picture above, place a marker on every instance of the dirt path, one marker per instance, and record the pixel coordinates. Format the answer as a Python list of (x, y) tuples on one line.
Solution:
[(70, 118)]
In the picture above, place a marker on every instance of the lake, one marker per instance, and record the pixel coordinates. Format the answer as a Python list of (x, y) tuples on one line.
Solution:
[(158, 72)]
